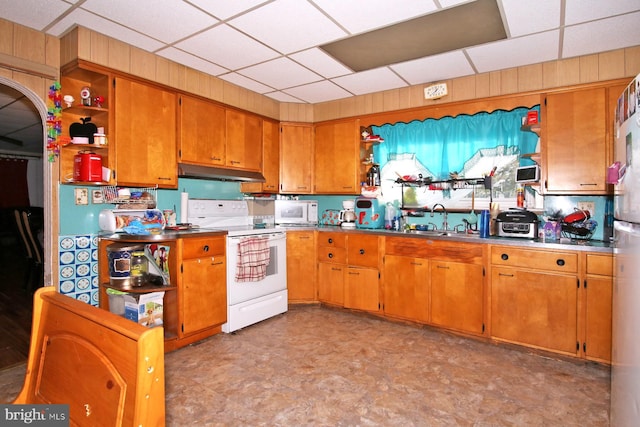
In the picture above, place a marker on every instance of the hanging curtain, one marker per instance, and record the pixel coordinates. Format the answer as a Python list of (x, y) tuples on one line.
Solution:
[(444, 145), (14, 191)]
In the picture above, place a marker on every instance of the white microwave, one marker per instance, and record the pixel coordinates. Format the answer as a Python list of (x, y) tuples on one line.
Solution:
[(296, 212)]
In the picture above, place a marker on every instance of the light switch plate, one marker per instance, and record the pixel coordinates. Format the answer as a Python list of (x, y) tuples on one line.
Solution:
[(82, 196)]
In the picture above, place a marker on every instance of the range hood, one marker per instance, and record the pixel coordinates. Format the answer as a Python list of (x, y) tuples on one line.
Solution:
[(222, 174)]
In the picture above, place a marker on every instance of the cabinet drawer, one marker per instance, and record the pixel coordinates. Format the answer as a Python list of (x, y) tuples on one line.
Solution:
[(363, 250), (332, 255), (332, 240), (600, 264), (537, 259), (203, 246)]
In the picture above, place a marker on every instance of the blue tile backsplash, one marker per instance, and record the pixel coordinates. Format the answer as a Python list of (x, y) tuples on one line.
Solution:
[(78, 267)]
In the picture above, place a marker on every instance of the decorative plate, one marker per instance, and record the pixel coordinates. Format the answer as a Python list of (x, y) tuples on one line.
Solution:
[(66, 243), (66, 272), (67, 286), (66, 257)]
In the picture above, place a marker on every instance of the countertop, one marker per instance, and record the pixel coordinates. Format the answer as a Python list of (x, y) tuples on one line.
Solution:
[(574, 245)]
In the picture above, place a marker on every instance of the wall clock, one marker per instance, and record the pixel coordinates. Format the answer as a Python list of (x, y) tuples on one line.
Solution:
[(435, 91)]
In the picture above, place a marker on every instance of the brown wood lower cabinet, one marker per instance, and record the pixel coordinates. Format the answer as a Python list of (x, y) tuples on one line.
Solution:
[(301, 266), (361, 289), (406, 288), (331, 283), (598, 292)]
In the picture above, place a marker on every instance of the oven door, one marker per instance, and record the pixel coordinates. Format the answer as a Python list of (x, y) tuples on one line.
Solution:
[(275, 279)]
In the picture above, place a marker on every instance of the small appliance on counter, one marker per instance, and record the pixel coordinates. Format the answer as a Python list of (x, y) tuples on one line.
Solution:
[(296, 212), (348, 215), (517, 223), (369, 213), (331, 217)]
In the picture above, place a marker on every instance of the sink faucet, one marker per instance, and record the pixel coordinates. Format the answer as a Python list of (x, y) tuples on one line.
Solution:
[(445, 225)]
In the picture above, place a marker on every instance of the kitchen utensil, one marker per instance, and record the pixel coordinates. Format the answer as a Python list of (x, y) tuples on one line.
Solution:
[(472, 218)]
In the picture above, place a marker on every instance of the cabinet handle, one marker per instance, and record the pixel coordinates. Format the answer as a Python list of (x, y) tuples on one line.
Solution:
[(587, 184), (361, 251), (216, 158), (415, 263), (216, 263), (235, 162), (560, 262), (354, 273), (504, 257), (505, 274), (164, 178), (330, 255), (336, 269), (443, 266), (304, 237), (330, 240), (205, 248)]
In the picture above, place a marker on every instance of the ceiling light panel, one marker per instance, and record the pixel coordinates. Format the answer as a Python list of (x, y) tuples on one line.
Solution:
[(106, 27), (156, 19), (525, 50), (370, 81), (281, 73), (420, 37), (358, 16), (596, 36), (318, 61), (36, 14), (192, 61), (288, 25), (227, 47), (535, 17), (577, 11), (226, 9), (318, 92), (434, 68)]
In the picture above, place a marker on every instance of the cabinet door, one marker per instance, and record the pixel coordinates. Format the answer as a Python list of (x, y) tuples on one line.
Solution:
[(361, 289), (337, 157), (331, 283), (145, 130), (270, 161), (301, 266), (456, 296), (295, 158), (244, 140), (201, 131), (534, 308), (406, 288), (598, 318), (204, 293), (576, 148)]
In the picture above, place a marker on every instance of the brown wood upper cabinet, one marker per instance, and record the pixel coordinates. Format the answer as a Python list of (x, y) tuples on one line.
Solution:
[(296, 156), (575, 146), (202, 132), (145, 134), (270, 161), (337, 157), (244, 140)]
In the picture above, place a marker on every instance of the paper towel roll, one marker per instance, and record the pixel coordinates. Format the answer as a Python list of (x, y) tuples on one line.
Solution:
[(184, 197)]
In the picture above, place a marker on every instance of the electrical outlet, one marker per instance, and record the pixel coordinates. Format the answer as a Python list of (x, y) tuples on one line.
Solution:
[(82, 196), (587, 206)]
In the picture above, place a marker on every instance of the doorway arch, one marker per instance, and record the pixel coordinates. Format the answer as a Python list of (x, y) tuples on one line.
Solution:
[(49, 230)]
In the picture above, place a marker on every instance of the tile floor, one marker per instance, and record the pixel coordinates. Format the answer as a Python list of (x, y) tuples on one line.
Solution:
[(315, 366)]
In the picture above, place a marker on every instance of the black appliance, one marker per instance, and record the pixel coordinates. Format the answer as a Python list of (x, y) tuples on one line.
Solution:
[(517, 223)]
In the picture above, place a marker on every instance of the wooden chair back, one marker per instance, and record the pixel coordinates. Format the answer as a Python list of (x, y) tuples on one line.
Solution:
[(109, 370)]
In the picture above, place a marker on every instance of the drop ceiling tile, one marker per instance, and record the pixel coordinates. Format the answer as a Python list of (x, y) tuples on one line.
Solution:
[(106, 27), (226, 9), (155, 18), (283, 97), (36, 14), (280, 73), (318, 92), (599, 36), (358, 16), (434, 68), (526, 50), (523, 18), (369, 81), (227, 47), (317, 60), (192, 61), (246, 82), (577, 11), (450, 3), (288, 25)]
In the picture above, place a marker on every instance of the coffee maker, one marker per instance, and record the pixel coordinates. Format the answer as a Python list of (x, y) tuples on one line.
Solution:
[(348, 214)]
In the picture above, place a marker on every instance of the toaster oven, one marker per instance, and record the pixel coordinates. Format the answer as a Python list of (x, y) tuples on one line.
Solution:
[(517, 223)]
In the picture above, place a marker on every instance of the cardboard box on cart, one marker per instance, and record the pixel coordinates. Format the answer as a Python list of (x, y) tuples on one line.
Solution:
[(145, 309)]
